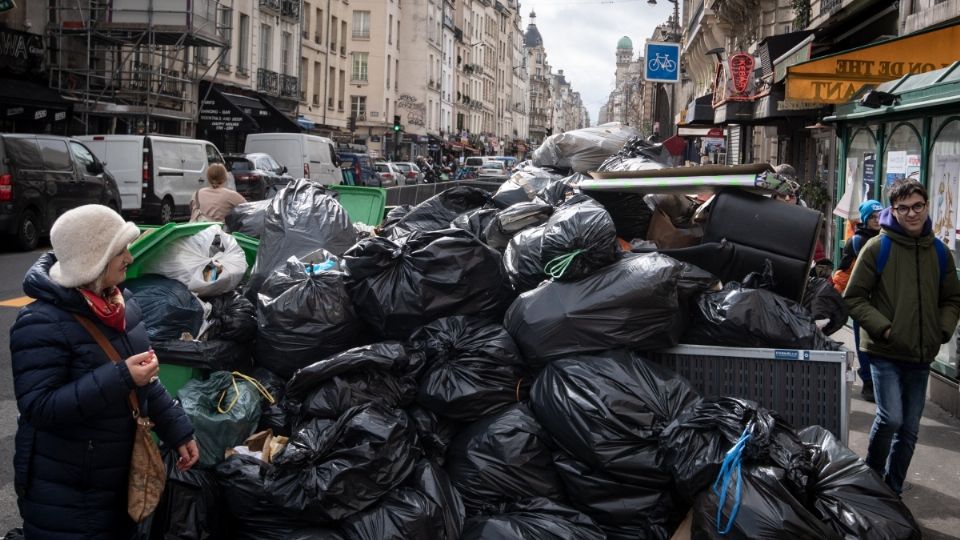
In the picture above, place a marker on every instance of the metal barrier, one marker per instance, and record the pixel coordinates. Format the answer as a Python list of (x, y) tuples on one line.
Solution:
[(416, 194)]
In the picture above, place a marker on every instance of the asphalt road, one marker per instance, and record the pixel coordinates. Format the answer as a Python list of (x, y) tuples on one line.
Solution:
[(13, 266)]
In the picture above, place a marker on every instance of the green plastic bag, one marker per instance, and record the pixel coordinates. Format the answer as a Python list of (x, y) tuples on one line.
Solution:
[(224, 410)]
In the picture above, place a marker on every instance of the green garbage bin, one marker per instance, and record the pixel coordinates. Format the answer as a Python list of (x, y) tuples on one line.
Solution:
[(363, 204), (154, 239)]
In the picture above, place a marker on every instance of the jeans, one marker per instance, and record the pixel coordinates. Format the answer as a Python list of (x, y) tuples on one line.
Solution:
[(863, 359), (901, 392)]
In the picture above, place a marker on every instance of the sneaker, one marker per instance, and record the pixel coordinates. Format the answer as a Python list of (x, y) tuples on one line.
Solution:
[(867, 392)]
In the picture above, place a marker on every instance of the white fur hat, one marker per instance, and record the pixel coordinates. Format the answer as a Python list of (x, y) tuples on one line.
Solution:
[(84, 240)]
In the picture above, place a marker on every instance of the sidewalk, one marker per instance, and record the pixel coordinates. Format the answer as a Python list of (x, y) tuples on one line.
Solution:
[(934, 475)]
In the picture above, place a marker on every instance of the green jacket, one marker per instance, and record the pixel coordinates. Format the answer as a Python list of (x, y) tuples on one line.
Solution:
[(909, 298)]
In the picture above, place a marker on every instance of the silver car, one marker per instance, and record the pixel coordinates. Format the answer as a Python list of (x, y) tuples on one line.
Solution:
[(410, 171)]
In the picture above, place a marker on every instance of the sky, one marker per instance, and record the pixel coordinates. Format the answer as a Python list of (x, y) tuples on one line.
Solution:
[(580, 37)]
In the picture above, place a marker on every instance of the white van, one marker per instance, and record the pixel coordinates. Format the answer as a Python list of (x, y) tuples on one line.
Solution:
[(157, 176), (305, 156)]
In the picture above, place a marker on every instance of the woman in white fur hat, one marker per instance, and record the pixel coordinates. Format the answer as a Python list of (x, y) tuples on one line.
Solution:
[(75, 429)]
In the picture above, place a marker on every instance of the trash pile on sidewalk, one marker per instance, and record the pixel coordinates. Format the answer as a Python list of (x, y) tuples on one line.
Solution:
[(476, 369)]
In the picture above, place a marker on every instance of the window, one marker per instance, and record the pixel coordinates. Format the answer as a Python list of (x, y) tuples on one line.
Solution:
[(213, 155), (360, 66), (390, 30), (389, 67), (243, 52), (54, 152), (225, 22), (285, 46), (83, 156), (203, 56), (318, 24), (358, 107), (361, 25), (266, 36)]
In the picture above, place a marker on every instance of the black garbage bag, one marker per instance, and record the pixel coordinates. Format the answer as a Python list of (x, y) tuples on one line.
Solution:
[(578, 240), (583, 149), (169, 308), (332, 469), (851, 497), (191, 506), (437, 212), (630, 213), (14, 534), (398, 287), (608, 410), (633, 303), (824, 302), (623, 510), (272, 415), (512, 220), (425, 507), (765, 509), (521, 260), (395, 215), (434, 433), (380, 372), (473, 367), (556, 192), (531, 519), (233, 318), (211, 355), (694, 446), (247, 218), (301, 219), (316, 533), (510, 193), (503, 458), (254, 516), (475, 221), (742, 317), (305, 317)]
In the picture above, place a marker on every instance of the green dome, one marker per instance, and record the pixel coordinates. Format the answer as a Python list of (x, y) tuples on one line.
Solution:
[(625, 43)]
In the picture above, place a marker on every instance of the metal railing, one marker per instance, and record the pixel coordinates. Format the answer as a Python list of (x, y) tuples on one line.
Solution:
[(270, 4), (289, 86), (291, 9), (268, 81), (418, 193)]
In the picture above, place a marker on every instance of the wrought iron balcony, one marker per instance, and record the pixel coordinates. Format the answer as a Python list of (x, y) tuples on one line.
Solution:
[(270, 4), (289, 86), (268, 82), (291, 9)]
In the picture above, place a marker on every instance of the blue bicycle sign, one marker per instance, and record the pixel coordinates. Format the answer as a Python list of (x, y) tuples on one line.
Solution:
[(663, 62)]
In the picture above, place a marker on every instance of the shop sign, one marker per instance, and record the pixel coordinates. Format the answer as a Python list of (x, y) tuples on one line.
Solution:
[(837, 78), (220, 118), (741, 72), (791, 105), (20, 51), (733, 80)]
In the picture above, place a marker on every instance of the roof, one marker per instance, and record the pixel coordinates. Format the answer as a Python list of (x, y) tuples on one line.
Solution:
[(532, 37), (930, 90), (625, 43)]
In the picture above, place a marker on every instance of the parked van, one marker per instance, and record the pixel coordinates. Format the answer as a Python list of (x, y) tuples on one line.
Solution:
[(361, 168), (43, 176), (304, 156), (157, 175)]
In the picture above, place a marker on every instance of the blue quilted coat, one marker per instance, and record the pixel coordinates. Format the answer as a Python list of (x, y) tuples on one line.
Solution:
[(75, 432)]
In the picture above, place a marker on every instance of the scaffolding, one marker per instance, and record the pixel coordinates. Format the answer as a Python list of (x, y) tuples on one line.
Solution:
[(134, 62)]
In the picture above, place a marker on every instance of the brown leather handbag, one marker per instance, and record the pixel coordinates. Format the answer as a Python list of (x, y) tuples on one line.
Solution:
[(148, 474)]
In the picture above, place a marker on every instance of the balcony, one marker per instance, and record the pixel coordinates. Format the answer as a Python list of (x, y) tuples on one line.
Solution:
[(270, 4), (361, 34), (290, 9), (289, 86), (268, 82), (827, 7)]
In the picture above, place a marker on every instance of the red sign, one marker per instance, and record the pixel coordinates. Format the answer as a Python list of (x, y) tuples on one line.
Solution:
[(741, 72)]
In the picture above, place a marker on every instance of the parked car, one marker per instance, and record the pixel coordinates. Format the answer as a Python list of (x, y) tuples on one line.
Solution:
[(410, 170), (258, 176), (360, 168), (304, 156), (493, 168), (157, 176), (475, 162), (43, 176), (508, 161), (390, 174)]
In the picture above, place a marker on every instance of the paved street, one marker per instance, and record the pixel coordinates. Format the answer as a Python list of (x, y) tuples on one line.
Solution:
[(934, 475)]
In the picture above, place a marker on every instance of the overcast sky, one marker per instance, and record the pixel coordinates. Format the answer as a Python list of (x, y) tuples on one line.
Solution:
[(580, 37)]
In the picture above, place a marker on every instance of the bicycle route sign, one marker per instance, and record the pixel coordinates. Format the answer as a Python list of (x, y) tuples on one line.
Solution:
[(662, 62)]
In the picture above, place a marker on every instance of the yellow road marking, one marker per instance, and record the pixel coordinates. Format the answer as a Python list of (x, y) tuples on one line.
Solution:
[(16, 302)]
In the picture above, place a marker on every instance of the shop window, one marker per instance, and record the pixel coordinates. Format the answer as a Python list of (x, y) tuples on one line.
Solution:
[(943, 174), (901, 159), (861, 164)]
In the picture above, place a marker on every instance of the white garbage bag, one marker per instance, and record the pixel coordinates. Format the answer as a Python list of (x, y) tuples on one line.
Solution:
[(209, 263), (583, 150)]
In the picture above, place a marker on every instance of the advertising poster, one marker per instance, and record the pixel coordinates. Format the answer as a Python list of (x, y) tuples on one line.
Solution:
[(869, 175), (848, 205), (944, 183), (896, 167)]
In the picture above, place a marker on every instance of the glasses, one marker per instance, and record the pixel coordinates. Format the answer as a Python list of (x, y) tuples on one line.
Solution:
[(904, 210)]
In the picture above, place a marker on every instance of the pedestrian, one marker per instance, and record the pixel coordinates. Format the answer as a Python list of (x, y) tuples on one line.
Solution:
[(214, 203), (867, 228), (75, 429), (905, 294)]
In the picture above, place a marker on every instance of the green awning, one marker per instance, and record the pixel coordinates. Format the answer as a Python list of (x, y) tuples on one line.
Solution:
[(921, 91)]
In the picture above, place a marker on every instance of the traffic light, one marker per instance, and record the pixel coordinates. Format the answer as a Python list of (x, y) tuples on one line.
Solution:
[(396, 123), (352, 123)]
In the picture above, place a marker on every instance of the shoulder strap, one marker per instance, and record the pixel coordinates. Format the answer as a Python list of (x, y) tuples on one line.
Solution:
[(885, 244), (857, 243), (942, 254), (112, 354)]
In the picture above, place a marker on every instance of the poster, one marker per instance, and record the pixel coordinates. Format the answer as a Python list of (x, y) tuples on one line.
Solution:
[(896, 167), (944, 184), (869, 175), (848, 205)]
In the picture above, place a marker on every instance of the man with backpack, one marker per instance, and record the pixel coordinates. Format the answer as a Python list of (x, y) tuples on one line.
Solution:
[(905, 294), (868, 227)]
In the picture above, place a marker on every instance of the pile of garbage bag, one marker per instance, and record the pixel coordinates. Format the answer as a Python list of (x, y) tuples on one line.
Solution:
[(248, 218), (583, 150)]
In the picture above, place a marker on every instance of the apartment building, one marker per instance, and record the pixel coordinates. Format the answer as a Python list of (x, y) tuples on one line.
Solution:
[(326, 30), (541, 100)]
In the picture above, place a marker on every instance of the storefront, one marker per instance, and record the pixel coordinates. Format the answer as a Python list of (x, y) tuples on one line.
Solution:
[(27, 103), (910, 130), (227, 118)]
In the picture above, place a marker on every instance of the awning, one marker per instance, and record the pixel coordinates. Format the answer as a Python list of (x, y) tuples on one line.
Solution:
[(700, 111), (774, 105), (225, 111), (733, 112), (836, 78), (926, 92), (27, 101), (714, 131)]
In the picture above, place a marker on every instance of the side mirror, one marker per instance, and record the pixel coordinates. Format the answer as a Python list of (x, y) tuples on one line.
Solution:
[(95, 168), (283, 170)]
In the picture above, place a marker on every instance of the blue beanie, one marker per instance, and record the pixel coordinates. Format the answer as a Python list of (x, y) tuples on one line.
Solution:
[(867, 208)]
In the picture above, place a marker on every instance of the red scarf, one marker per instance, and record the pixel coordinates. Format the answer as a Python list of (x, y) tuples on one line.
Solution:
[(109, 308)]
